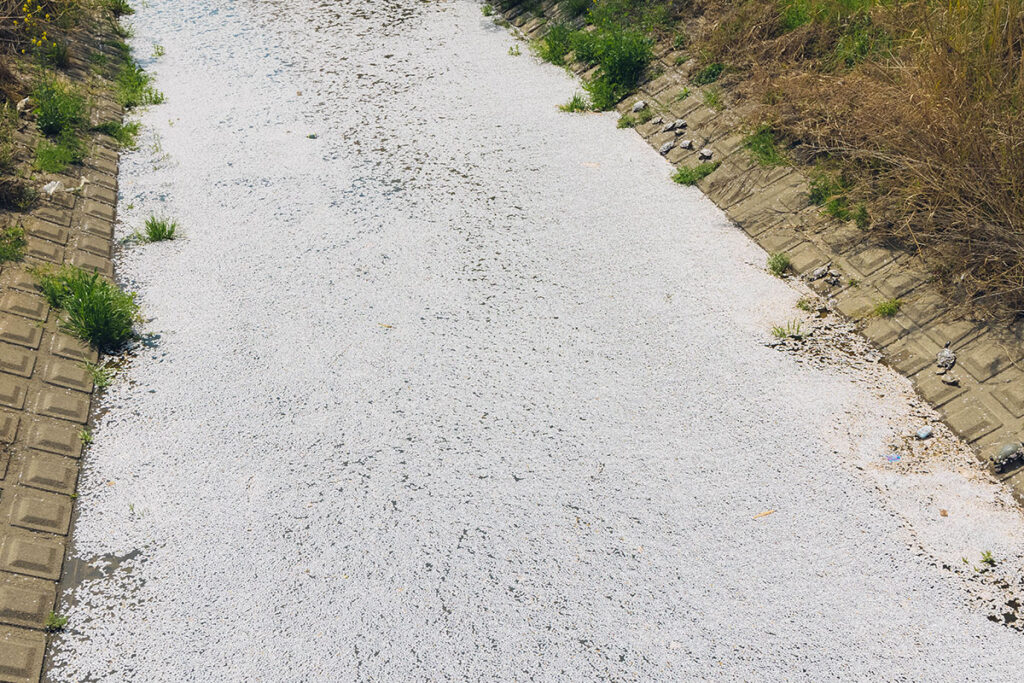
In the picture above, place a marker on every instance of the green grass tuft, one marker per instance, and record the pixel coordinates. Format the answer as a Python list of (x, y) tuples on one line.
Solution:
[(713, 99), (96, 310), (133, 87), (118, 8), (691, 176), (57, 107), (55, 622), (709, 74), (762, 146), (55, 157), (157, 229), (12, 243), (577, 103), (126, 134), (778, 264), (888, 308)]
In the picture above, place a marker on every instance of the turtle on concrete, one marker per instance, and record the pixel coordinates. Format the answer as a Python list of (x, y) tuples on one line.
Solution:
[(945, 359), (1007, 455)]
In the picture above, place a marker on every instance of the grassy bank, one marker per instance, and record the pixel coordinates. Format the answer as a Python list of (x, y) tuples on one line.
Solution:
[(906, 113)]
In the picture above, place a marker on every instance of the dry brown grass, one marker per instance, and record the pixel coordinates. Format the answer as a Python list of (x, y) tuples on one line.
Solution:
[(926, 124)]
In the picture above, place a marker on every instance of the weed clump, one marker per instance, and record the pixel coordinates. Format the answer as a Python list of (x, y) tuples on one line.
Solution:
[(55, 622), (125, 133), (157, 229), (12, 243), (888, 308), (691, 176), (133, 87), (709, 74), (58, 107), (576, 103), (778, 264), (96, 310), (762, 146)]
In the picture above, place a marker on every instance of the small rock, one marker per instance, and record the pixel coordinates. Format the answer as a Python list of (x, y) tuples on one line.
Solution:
[(705, 154), (666, 148), (639, 106), (950, 379), (686, 144), (924, 432)]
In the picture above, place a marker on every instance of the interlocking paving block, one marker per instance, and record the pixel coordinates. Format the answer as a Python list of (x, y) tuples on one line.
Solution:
[(101, 193), (46, 231), (104, 229), (16, 360), (44, 250), (805, 257), (25, 601), (92, 262), (107, 180), (12, 392), (898, 279), (73, 349), (49, 472), (908, 356), (8, 426), (57, 437), (64, 405), (971, 421), (884, 331), (869, 259), (68, 375), (106, 166), (952, 328), (984, 358), (20, 279), (933, 389), (25, 305), (15, 330), (1009, 391), (662, 83), (54, 214), (785, 196), (740, 179), (24, 552), (41, 511), (780, 238), (94, 244), (21, 655)]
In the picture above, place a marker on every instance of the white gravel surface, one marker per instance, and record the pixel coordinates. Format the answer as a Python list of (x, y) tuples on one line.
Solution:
[(465, 388)]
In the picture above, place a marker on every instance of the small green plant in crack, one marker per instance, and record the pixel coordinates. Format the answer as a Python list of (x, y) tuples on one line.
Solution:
[(576, 103), (645, 115), (157, 229), (682, 94), (987, 559), (487, 10), (709, 74), (85, 436), (763, 147), (778, 264), (713, 99), (95, 309), (888, 308), (126, 134), (122, 31), (55, 622), (515, 51), (158, 51), (789, 330), (806, 304), (12, 243), (626, 121), (101, 375), (691, 176)]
